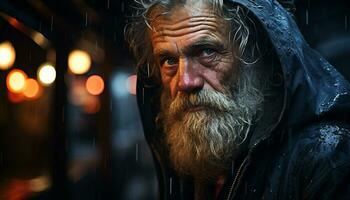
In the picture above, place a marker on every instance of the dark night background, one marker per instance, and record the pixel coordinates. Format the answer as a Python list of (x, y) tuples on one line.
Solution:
[(62, 146)]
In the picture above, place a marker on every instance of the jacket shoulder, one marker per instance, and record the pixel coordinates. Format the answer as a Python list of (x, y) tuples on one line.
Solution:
[(323, 160), (325, 140)]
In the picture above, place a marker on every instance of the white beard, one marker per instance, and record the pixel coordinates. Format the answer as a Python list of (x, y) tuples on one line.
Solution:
[(203, 143)]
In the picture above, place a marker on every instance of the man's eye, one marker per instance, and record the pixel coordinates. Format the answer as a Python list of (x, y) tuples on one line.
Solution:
[(168, 62), (208, 52)]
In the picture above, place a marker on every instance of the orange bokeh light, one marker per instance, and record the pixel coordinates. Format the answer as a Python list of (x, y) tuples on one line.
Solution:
[(95, 85), (16, 80), (31, 89)]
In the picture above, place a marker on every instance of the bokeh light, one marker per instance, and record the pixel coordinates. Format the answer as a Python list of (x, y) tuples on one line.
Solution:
[(79, 62), (131, 84), (92, 105), (119, 85), (7, 55), (46, 74), (95, 85), (16, 80), (31, 89), (40, 183), (15, 97)]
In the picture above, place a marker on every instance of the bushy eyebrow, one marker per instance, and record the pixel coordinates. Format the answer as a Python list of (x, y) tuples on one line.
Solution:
[(162, 53), (203, 42)]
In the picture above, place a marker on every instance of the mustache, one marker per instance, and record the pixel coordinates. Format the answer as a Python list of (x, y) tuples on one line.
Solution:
[(213, 100)]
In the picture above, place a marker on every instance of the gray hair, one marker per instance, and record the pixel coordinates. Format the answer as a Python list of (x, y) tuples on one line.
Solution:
[(137, 34)]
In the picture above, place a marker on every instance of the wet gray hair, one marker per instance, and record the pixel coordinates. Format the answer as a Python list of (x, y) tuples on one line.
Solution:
[(137, 34)]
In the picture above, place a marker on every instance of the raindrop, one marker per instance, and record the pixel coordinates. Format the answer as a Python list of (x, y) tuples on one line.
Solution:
[(108, 4), (94, 143), (170, 185), (307, 17), (143, 95), (111, 104), (269, 25), (346, 22), (148, 75), (63, 114), (86, 19), (123, 7), (137, 152), (254, 190), (51, 26), (232, 168)]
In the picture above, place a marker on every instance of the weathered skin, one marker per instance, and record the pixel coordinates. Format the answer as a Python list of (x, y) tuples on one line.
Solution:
[(191, 47)]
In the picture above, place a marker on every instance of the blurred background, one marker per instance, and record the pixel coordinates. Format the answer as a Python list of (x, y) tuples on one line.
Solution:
[(69, 125)]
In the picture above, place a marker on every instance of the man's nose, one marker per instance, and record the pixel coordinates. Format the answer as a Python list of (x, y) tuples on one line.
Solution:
[(189, 77)]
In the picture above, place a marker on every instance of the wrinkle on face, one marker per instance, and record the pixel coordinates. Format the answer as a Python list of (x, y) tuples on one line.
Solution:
[(182, 29)]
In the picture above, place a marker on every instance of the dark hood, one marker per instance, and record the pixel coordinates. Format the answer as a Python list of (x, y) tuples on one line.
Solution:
[(312, 89)]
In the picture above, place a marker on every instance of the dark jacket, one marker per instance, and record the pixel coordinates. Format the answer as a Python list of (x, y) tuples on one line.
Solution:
[(305, 153)]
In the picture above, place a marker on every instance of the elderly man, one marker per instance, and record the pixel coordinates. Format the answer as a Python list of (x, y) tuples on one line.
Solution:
[(236, 105)]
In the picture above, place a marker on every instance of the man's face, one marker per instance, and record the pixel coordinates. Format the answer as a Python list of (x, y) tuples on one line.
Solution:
[(204, 120), (192, 49)]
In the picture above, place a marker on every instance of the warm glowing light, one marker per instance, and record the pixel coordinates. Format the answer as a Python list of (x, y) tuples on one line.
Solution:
[(7, 55), (16, 80), (131, 84), (40, 183), (15, 97), (95, 85), (79, 62), (46, 74), (31, 89), (92, 105), (39, 39)]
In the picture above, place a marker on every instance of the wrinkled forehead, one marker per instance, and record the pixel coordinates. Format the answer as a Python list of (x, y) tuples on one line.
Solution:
[(180, 16)]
